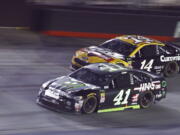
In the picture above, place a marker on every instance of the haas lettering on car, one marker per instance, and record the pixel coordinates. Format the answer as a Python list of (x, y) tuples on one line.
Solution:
[(155, 85)]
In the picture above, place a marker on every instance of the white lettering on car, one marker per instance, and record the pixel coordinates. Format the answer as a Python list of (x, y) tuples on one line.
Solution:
[(139, 39), (169, 58), (135, 98), (102, 97), (147, 65), (120, 99), (149, 86)]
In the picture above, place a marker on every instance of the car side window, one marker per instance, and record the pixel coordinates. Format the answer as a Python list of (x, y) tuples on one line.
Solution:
[(112, 85), (166, 50), (135, 79), (144, 77), (138, 54), (122, 80), (162, 51), (148, 51)]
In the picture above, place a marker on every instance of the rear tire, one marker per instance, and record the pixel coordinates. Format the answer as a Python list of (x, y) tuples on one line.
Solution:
[(89, 105), (171, 69), (146, 99)]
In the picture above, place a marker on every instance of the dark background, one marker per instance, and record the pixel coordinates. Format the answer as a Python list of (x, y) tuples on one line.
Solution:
[(159, 21), (15, 13), (28, 59)]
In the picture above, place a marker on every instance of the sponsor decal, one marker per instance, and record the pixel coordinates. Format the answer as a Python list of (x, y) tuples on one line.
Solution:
[(135, 98), (149, 86), (78, 105), (109, 68), (52, 93), (159, 95), (106, 87), (106, 54), (131, 79), (158, 67), (68, 103), (139, 39), (55, 93), (91, 94), (119, 108), (169, 58), (54, 101), (164, 83), (74, 84), (102, 97)]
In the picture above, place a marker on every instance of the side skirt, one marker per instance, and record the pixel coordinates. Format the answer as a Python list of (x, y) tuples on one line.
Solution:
[(119, 108)]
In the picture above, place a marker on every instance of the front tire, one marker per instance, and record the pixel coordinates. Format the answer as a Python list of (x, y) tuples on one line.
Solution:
[(89, 105), (146, 99), (171, 69)]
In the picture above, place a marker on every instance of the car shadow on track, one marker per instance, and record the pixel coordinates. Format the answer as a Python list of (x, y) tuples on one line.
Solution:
[(156, 116)]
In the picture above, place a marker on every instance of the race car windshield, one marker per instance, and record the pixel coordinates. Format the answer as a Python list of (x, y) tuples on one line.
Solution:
[(90, 77), (118, 46)]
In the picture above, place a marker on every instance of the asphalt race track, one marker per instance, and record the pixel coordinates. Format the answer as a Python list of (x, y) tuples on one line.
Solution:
[(28, 59)]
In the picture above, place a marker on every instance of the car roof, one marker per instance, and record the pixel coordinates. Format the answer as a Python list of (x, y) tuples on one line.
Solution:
[(137, 40), (114, 69), (105, 68)]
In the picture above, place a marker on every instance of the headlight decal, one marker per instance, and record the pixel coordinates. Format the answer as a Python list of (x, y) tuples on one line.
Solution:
[(78, 106)]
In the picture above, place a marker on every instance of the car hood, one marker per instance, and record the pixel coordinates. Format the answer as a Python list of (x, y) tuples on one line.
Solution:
[(104, 53), (68, 84)]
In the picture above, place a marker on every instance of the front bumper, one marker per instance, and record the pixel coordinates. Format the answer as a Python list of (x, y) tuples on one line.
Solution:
[(78, 63), (60, 105)]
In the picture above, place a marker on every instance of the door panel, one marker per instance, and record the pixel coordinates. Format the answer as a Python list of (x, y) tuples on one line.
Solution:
[(119, 92), (147, 59)]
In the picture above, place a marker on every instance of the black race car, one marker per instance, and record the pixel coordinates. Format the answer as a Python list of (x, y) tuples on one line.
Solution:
[(132, 51), (102, 87)]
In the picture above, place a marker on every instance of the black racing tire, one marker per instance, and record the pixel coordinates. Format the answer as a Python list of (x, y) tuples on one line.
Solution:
[(89, 105), (146, 99), (171, 69)]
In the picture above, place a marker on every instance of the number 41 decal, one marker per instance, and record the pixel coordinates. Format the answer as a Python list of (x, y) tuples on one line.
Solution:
[(147, 66), (119, 98)]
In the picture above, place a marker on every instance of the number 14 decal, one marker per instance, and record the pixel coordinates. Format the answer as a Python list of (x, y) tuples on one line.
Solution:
[(147, 66), (119, 100)]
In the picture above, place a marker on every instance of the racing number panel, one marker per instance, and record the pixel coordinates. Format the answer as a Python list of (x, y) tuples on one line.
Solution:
[(125, 89), (154, 58), (119, 92)]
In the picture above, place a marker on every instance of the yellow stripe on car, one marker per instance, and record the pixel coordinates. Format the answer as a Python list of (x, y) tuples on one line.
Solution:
[(141, 46)]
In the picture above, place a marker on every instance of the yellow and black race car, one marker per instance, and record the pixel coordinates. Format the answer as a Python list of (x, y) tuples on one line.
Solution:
[(132, 51)]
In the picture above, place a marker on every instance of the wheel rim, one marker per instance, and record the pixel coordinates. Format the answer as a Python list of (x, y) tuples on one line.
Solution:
[(147, 100), (171, 69), (90, 105)]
